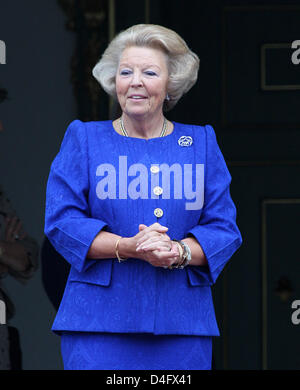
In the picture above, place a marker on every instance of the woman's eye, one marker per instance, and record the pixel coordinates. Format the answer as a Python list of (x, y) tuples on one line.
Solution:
[(125, 72), (150, 73)]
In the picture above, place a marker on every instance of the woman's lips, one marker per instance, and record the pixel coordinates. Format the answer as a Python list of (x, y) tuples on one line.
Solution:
[(137, 97)]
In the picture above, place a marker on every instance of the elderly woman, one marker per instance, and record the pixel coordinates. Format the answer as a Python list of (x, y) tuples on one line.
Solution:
[(144, 245)]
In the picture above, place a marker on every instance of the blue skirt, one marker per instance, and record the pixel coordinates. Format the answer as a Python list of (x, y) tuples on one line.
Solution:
[(135, 351)]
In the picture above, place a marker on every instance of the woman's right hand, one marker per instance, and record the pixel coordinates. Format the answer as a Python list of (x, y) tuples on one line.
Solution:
[(155, 246)]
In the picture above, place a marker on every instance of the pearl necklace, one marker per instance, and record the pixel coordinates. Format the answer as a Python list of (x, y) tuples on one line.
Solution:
[(162, 134)]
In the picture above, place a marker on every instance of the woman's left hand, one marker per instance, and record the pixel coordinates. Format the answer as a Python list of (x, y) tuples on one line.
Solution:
[(154, 239), (156, 242)]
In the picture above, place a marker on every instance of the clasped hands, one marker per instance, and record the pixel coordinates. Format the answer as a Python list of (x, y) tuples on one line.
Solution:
[(155, 246)]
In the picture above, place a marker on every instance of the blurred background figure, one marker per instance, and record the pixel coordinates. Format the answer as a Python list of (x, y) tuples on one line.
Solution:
[(18, 259)]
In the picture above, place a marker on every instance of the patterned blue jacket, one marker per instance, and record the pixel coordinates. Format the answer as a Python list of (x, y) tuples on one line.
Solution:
[(102, 180)]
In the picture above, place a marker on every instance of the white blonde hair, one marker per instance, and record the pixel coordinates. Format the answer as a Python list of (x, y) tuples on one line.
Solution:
[(183, 64)]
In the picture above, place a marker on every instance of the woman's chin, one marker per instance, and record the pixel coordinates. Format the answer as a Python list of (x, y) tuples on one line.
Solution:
[(137, 113)]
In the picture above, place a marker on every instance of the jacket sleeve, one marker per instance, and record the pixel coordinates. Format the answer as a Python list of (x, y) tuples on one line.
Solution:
[(216, 232), (68, 224)]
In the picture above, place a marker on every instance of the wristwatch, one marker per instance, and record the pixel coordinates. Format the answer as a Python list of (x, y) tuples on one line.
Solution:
[(186, 258)]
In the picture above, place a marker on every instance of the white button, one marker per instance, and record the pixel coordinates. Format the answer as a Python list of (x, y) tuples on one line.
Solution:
[(157, 190), (154, 169), (158, 212)]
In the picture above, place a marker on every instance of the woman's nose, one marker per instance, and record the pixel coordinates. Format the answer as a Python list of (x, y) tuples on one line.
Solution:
[(136, 79)]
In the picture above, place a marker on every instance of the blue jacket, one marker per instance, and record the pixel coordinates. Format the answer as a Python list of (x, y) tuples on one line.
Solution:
[(87, 191)]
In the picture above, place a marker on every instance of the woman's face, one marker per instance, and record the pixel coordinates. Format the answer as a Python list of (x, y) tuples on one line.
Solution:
[(141, 81)]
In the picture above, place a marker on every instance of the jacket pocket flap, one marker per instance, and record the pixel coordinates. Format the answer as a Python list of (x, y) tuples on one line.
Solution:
[(99, 273), (198, 275)]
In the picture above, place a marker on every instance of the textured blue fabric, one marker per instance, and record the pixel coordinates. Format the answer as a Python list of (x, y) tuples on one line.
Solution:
[(106, 351), (103, 295)]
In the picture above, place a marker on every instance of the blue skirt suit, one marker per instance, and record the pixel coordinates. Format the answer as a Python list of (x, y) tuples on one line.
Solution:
[(135, 351), (131, 315)]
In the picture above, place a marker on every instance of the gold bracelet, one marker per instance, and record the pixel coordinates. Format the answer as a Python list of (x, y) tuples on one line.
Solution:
[(117, 251)]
